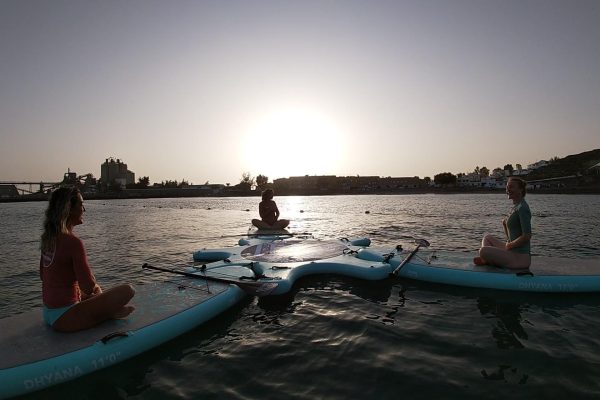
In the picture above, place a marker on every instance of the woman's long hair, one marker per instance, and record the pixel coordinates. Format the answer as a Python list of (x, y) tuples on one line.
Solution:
[(57, 216)]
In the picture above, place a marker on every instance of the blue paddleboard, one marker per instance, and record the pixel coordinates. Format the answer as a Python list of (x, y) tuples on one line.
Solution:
[(34, 357)]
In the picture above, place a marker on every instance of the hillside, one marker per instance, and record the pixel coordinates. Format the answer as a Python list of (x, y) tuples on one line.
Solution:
[(576, 164)]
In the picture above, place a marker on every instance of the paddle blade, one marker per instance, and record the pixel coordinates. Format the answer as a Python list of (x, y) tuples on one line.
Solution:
[(422, 243)]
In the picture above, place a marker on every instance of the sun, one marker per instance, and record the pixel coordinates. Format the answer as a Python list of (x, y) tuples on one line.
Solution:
[(292, 142)]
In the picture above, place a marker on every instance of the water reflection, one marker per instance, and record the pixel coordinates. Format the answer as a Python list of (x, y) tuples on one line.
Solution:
[(508, 331), (505, 373), (372, 291)]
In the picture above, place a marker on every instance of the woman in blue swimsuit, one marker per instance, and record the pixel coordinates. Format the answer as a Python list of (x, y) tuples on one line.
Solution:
[(515, 252)]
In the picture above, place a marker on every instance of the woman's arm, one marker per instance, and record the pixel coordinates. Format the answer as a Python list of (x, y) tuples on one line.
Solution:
[(505, 228), (276, 210), (518, 242), (83, 273)]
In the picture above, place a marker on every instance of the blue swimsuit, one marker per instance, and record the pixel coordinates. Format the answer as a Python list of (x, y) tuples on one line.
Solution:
[(519, 223)]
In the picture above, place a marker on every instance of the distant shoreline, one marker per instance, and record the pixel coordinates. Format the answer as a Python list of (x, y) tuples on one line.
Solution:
[(188, 193)]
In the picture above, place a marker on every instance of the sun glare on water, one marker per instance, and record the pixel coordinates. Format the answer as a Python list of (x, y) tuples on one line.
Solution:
[(292, 142)]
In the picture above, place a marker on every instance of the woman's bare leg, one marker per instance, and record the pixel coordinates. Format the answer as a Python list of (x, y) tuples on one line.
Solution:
[(109, 304), (281, 224), (491, 240), (261, 224), (504, 258)]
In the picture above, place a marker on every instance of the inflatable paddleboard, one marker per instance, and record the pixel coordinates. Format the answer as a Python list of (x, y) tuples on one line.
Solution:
[(34, 357), (284, 261), (546, 274)]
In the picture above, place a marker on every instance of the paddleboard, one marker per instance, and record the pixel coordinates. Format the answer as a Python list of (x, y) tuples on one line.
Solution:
[(546, 274), (34, 357), (256, 235), (285, 261)]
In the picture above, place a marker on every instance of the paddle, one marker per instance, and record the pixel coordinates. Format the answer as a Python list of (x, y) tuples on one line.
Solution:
[(420, 243), (252, 288)]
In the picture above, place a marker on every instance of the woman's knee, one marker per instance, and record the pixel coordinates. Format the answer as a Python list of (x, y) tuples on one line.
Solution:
[(492, 241), (129, 290), (126, 291), (492, 254)]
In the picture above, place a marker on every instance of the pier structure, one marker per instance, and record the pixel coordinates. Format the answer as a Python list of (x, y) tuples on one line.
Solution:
[(16, 189), (27, 187)]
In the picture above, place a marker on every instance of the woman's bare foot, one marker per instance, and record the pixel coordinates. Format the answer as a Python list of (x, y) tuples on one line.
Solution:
[(479, 261)]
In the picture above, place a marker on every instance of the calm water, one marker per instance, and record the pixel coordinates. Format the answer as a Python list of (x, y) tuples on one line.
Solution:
[(336, 337)]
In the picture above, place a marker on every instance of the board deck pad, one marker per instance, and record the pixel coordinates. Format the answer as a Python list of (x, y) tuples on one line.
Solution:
[(25, 338), (540, 265), (290, 251)]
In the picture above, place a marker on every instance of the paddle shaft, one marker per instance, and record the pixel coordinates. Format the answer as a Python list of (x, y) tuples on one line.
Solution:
[(253, 288), (407, 259)]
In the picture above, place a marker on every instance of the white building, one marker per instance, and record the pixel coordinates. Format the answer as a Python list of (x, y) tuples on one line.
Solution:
[(494, 182), (536, 165), (472, 179), (520, 172), (468, 180)]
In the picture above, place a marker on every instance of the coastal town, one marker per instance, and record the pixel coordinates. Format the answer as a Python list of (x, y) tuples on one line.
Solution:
[(579, 173)]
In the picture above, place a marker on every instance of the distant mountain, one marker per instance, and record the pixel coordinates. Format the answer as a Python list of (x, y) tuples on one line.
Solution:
[(571, 165)]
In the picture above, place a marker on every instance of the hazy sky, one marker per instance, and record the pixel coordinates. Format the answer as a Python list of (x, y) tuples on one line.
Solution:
[(207, 90)]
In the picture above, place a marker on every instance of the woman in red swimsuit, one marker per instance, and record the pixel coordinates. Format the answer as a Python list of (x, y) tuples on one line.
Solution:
[(73, 300)]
